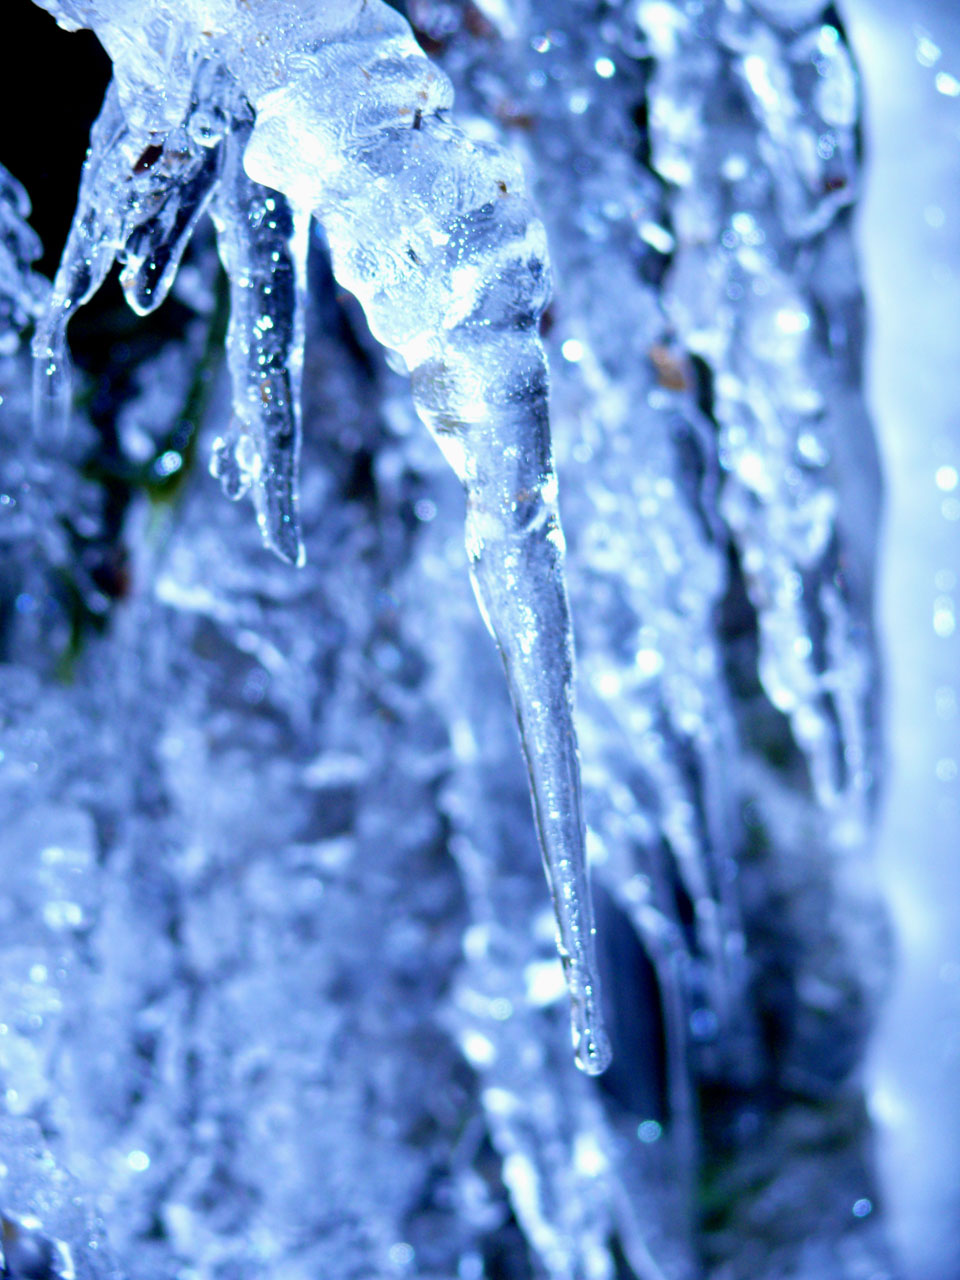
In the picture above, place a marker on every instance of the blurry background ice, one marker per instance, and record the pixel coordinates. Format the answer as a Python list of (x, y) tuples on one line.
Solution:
[(909, 54)]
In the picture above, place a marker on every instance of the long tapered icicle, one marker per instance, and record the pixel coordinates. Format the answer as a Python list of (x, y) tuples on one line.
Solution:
[(500, 448), (433, 234), (517, 575)]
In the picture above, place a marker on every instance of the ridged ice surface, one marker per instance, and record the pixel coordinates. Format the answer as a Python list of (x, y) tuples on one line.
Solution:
[(279, 977)]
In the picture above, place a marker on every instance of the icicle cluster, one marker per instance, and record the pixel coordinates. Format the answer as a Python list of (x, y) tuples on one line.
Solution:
[(753, 290), (431, 232), (279, 977), (686, 666)]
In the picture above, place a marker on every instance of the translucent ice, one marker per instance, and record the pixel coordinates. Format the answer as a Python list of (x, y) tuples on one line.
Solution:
[(265, 344), (46, 1229)]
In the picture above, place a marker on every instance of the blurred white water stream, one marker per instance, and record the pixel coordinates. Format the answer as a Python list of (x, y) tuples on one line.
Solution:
[(909, 53)]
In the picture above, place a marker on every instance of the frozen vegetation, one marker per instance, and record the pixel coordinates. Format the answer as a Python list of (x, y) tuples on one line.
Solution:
[(279, 979)]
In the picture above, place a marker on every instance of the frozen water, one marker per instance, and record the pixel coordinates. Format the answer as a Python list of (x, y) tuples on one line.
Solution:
[(279, 976), (750, 211), (138, 200)]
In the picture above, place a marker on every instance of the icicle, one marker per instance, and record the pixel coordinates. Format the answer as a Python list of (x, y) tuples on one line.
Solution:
[(751, 240), (181, 181), (434, 236), (140, 199), (91, 246), (266, 270), (516, 551)]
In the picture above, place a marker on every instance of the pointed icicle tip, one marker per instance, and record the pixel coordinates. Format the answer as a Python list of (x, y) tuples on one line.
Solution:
[(592, 1053), (591, 1047), (282, 537)]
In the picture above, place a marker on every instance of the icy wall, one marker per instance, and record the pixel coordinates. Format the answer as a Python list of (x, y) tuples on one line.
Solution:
[(278, 970)]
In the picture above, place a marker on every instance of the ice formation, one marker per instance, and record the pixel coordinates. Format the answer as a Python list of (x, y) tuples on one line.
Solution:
[(278, 978), (22, 293), (434, 236), (748, 288)]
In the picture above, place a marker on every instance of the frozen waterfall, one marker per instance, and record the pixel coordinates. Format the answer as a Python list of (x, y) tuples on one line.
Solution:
[(281, 992)]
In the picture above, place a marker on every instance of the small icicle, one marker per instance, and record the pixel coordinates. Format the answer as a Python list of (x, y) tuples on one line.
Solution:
[(264, 255), (174, 188), (140, 199), (154, 250), (95, 234)]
